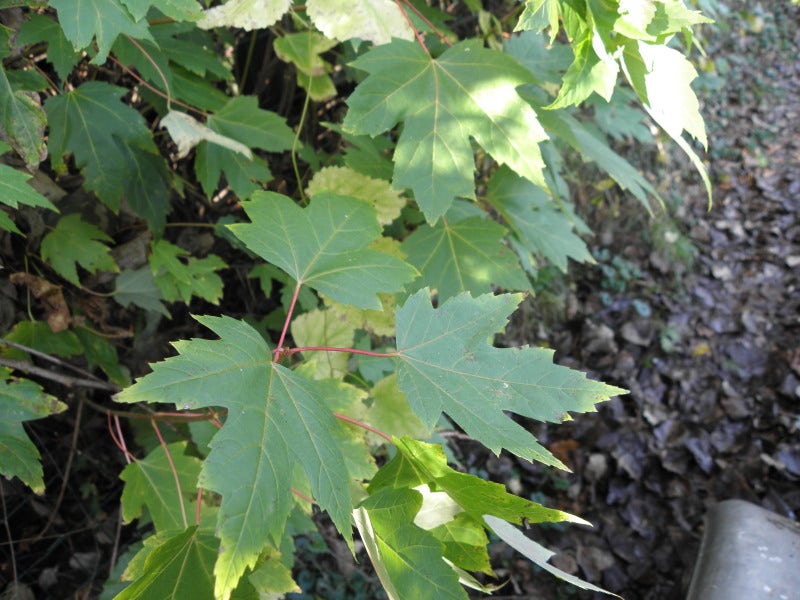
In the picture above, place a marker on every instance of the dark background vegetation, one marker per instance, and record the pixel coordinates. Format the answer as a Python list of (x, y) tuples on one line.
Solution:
[(695, 311)]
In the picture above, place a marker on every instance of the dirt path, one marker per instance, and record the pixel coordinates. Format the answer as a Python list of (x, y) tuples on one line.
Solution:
[(714, 369)]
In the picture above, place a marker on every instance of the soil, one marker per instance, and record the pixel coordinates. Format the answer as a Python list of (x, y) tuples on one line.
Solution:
[(699, 319)]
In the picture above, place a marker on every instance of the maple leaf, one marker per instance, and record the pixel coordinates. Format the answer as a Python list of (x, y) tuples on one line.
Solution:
[(539, 225), (112, 145), (247, 14), (468, 91), (303, 50), (348, 182), (377, 21), (22, 400), (138, 287), (408, 560), (324, 246), (22, 122), (60, 52), (103, 20), (74, 242), (465, 255), (15, 190), (179, 280), (179, 10), (276, 419), (446, 364), (160, 569), (150, 483)]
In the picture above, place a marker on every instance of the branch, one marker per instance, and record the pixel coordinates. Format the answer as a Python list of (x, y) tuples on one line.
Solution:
[(65, 380)]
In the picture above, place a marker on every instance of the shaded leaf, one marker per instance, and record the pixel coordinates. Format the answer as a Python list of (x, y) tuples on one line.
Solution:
[(22, 400), (179, 10), (180, 278), (138, 287), (465, 255), (103, 20), (60, 52), (74, 242), (15, 190), (22, 122), (537, 223)]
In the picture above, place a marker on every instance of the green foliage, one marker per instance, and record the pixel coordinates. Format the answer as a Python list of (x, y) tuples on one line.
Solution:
[(382, 240)]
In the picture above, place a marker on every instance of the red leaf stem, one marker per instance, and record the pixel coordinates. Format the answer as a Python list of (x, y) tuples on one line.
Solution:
[(278, 352), (358, 423), (335, 349)]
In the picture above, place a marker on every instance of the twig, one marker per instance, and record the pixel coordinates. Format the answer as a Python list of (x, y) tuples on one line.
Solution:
[(65, 380), (49, 357), (8, 532), (417, 34), (440, 34), (67, 469), (358, 423)]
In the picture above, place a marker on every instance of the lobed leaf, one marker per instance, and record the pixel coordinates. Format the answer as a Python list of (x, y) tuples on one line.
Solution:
[(468, 91), (324, 246), (446, 364), (74, 242), (276, 419)]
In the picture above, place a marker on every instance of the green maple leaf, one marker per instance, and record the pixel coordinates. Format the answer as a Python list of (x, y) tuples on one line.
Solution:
[(538, 224), (173, 566), (242, 121), (60, 52), (446, 364), (538, 15), (324, 246), (179, 10), (22, 122), (303, 50), (468, 91), (408, 560), (113, 147), (103, 20), (139, 287), (346, 181), (22, 400), (179, 280), (150, 483), (74, 242), (15, 190), (466, 255), (276, 420)]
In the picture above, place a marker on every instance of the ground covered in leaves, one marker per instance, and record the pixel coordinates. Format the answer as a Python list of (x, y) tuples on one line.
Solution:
[(696, 312), (702, 326)]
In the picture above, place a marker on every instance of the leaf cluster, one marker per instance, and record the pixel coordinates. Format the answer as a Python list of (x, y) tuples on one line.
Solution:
[(394, 204)]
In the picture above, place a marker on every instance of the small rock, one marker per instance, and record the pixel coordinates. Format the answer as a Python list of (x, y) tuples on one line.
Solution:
[(722, 272)]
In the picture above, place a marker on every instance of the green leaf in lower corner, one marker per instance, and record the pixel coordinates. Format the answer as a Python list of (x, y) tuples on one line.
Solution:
[(74, 242), (324, 246), (468, 91), (447, 363), (277, 419), (535, 220), (180, 276), (466, 255), (150, 483), (22, 400), (180, 566), (408, 560)]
